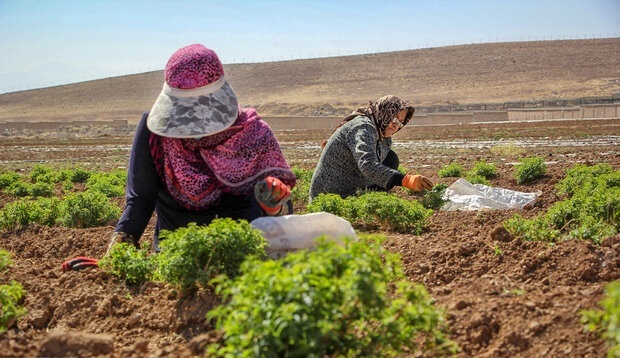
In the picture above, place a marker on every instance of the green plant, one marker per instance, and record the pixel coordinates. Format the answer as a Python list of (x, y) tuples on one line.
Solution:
[(301, 191), (125, 261), (44, 211), (432, 199), (452, 170), (591, 229), (43, 174), (41, 189), (529, 170), (514, 292), (497, 251), (111, 184), (22, 212), (374, 209), (5, 260), (19, 188), (388, 211), (591, 212), (15, 215), (67, 185), (76, 175), (195, 254), (564, 212), (7, 179), (331, 203), (580, 177), (10, 295), (331, 301), (10, 310), (477, 179), (87, 209), (483, 169), (537, 229), (606, 320)]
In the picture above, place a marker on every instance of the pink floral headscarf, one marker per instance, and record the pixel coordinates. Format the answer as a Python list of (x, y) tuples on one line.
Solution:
[(196, 172)]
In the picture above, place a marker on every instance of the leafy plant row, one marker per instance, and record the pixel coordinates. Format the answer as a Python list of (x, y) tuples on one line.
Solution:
[(526, 171), (42, 181), (591, 210), (331, 301), (82, 209), (37, 204), (375, 210)]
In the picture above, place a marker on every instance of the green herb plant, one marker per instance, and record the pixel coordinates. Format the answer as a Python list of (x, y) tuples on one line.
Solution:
[(477, 179), (10, 296), (481, 173), (591, 210), (7, 179), (300, 193), (24, 211), (112, 184), (606, 319), (10, 309), (529, 170), (191, 256), (5, 260), (452, 170), (134, 266), (329, 302), (90, 208), (375, 210), (432, 199)]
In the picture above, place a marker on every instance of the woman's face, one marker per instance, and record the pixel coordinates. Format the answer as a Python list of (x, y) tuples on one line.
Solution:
[(396, 124)]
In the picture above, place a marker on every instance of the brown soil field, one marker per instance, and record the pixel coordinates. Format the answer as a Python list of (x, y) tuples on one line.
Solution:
[(522, 302)]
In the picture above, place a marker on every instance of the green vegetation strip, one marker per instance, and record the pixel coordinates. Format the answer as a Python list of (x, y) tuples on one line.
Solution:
[(590, 211)]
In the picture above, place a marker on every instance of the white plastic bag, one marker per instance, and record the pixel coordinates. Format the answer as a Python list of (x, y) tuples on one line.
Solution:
[(463, 195), (293, 232)]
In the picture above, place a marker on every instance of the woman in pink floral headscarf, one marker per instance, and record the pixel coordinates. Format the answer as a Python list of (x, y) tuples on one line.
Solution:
[(197, 155)]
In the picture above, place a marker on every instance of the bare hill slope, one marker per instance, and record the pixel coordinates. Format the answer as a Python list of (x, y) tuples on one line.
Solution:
[(455, 74)]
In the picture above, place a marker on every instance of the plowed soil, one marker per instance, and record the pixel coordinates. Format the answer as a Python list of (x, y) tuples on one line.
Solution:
[(503, 297)]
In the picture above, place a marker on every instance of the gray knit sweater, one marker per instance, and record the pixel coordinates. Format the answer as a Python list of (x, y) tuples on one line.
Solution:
[(352, 159)]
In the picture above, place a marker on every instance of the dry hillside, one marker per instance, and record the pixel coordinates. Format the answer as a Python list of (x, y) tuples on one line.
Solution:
[(454, 74)]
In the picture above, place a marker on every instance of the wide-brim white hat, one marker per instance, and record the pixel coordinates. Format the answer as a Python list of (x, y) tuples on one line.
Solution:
[(194, 113)]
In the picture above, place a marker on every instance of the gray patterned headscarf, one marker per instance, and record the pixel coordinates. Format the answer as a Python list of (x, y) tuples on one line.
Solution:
[(382, 112)]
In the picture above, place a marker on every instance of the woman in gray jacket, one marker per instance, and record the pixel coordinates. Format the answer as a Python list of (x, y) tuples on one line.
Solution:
[(358, 154)]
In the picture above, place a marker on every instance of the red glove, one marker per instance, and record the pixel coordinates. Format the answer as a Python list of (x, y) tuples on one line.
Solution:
[(79, 263), (271, 193), (417, 182)]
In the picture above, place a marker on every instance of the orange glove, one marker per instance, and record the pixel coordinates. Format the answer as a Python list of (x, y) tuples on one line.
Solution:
[(271, 193), (417, 182)]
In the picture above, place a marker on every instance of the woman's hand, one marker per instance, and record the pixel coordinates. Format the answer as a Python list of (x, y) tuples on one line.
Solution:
[(417, 182), (271, 194)]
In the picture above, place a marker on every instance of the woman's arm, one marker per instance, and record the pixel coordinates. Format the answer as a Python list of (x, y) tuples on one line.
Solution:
[(362, 140), (143, 184)]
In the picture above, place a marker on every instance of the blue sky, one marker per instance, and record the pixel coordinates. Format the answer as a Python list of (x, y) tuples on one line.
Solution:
[(51, 42)]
